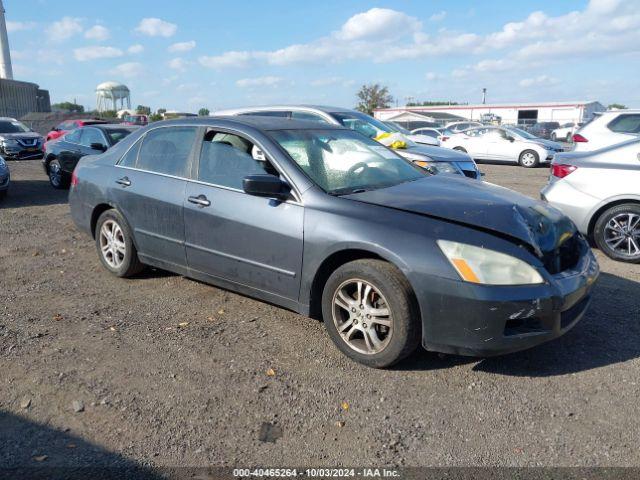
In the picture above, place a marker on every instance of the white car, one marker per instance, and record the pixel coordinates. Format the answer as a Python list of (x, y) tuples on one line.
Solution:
[(565, 132), (600, 192), (607, 128), (416, 137), (504, 145), (441, 134), (456, 127)]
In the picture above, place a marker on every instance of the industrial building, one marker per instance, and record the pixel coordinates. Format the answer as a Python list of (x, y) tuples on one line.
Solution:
[(17, 98), (508, 113)]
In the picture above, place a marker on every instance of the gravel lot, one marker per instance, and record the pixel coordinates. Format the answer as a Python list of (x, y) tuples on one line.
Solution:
[(163, 371)]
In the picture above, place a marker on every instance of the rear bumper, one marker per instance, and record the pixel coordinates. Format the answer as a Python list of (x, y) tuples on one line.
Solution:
[(478, 320), (573, 203)]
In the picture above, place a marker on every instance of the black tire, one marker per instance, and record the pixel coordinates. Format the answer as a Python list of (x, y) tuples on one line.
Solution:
[(58, 178), (3, 194), (524, 163), (460, 149), (600, 232), (130, 264), (405, 333)]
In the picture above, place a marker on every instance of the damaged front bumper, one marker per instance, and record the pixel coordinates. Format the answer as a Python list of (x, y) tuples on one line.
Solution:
[(484, 320)]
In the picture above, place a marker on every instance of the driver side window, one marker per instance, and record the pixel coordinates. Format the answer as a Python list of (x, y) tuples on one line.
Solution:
[(225, 159)]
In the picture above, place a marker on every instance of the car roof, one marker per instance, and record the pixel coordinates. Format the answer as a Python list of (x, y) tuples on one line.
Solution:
[(255, 121), (320, 108)]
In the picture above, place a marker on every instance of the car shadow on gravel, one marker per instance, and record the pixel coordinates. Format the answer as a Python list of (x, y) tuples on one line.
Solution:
[(31, 193), (608, 334), (34, 451)]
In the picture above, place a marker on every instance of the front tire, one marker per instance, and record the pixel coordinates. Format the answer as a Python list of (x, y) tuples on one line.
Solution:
[(115, 245), (617, 232), (370, 313), (57, 177), (529, 159)]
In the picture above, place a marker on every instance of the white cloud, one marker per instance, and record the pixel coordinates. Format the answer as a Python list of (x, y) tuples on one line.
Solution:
[(438, 17), (19, 26), (135, 49), (128, 70), (268, 81), (539, 81), (64, 29), (431, 76), (178, 64), (325, 82), (155, 27), (378, 23), (227, 59), (84, 54), (97, 32), (385, 35), (181, 47)]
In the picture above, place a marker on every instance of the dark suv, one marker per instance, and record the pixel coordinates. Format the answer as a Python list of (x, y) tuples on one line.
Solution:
[(543, 129), (19, 142)]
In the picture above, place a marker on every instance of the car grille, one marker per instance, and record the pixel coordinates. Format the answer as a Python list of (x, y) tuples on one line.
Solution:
[(565, 257), (28, 142)]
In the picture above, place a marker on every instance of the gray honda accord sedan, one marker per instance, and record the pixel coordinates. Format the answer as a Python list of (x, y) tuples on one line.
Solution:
[(324, 221)]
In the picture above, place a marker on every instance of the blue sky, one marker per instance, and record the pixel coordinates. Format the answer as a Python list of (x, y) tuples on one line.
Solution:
[(188, 54)]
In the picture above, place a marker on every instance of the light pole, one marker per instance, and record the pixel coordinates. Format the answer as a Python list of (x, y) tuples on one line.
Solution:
[(484, 96)]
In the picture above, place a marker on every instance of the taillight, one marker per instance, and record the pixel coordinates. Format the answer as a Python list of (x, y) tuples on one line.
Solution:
[(561, 171), (577, 138), (74, 179)]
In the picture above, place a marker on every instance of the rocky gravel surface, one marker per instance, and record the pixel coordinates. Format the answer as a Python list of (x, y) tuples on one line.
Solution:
[(161, 370)]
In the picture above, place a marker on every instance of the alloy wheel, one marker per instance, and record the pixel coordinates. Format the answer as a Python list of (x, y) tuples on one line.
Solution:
[(622, 234), (55, 174), (112, 245), (528, 159), (362, 316)]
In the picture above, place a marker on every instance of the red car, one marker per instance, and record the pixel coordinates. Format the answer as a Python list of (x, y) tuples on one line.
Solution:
[(138, 119), (68, 125)]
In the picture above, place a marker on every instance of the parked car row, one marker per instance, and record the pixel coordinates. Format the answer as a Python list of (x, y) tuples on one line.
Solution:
[(387, 253)]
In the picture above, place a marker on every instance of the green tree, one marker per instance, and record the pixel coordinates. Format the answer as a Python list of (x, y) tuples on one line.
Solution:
[(203, 112), (143, 110), (109, 114), (617, 106), (373, 96), (68, 106)]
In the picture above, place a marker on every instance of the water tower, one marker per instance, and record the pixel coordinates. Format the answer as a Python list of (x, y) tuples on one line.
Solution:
[(112, 96)]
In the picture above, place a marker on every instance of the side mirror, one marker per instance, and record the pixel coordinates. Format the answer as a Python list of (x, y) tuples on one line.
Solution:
[(511, 139), (99, 146), (265, 185)]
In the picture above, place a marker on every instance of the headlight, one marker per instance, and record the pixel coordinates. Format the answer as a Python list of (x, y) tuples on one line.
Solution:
[(480, 265), (438, 167), (10, 143)]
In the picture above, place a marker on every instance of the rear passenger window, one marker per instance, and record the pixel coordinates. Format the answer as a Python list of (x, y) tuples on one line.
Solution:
[(625, 124), (226, 159), (308, 116), (129, 158), (166, 150)]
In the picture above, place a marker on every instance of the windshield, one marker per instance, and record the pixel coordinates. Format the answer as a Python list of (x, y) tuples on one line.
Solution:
[(362, 123), (117, 134), (522, 133), (12, 126), (397, 128), (341, 161)]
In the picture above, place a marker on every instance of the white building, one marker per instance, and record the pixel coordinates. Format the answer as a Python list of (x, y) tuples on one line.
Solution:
[(510, 113)]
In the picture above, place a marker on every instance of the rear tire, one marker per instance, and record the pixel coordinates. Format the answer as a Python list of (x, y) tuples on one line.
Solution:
[(529, 159), (617, 232), (57, 177), (114, 243), (372, 304)]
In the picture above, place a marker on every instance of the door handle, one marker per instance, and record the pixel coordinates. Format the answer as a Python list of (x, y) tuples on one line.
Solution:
[(200, 200), (124, 181)]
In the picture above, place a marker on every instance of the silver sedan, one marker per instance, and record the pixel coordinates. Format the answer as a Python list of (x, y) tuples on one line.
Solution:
[(600, 192)]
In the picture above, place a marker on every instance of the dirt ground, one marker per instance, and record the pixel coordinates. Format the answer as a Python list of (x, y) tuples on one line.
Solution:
[(161, 370)]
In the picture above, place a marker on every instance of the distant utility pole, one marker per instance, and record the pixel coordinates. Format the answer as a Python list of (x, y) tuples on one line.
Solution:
[(484, 96)]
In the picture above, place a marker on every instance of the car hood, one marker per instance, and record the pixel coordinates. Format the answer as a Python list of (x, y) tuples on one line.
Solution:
[(439, 154), (423, 139), (547, 143), (480, 205), (19, 136)]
